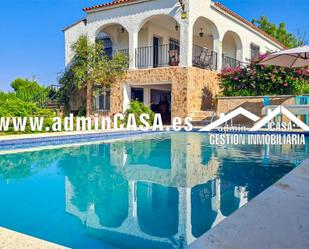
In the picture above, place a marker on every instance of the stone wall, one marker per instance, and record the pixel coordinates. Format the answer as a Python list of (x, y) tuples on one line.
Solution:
[(116, 98), (203, 87), (252, 104), (78, 100), (193, 89)]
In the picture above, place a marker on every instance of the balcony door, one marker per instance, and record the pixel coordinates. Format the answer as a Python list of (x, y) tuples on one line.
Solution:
[(155, 51), (174, 50), (161, 103)]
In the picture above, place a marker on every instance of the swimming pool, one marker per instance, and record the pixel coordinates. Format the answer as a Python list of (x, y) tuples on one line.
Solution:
[(150, 191)]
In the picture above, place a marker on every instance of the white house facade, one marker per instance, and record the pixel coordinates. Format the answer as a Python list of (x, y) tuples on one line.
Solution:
[(158, 34)]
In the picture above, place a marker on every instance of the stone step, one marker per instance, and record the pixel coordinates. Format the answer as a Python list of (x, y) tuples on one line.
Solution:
[(202, 117), (201, 114), (54, 106), (200, 123)]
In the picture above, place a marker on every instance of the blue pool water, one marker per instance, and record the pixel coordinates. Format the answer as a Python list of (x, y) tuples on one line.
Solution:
[(155, 191)]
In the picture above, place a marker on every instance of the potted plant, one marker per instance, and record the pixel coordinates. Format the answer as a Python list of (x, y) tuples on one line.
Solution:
[(174, 58)]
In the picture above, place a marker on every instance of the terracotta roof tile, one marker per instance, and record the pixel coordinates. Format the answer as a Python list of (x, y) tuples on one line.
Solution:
[(217, 4), (116, 2), (248, 23)]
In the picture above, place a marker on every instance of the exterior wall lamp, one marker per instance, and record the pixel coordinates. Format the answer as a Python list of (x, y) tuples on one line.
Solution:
[(184, 14), (176, 26)]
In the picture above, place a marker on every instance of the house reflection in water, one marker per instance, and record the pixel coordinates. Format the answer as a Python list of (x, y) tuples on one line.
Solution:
[(135, 194)]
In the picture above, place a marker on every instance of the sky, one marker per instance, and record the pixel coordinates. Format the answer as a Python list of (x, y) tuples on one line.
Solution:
[(32, 41)]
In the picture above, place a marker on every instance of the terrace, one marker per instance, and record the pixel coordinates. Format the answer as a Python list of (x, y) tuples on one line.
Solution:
[(159, 44)]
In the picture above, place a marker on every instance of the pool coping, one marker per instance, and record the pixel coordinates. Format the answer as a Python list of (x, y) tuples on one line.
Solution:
[(13, 240), (18, 137), (23, 143), (276, 218), (45, 140)]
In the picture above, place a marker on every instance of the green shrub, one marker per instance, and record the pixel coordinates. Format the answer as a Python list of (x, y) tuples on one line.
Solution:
[(12, 106), (30, 91), (82, 112), (137, 108)]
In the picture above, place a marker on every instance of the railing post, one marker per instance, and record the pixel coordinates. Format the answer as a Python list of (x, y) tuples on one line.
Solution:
[(133, 43)]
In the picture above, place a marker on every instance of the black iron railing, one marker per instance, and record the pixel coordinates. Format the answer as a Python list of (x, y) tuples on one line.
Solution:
[(204, 58), (157, 56), (229, 62), (53, 96), (121, 51), (42, 98), (112, 52)]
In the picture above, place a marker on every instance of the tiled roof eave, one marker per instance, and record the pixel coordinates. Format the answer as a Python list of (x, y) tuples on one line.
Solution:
[(109, 4), (216, 4), (251, 25)]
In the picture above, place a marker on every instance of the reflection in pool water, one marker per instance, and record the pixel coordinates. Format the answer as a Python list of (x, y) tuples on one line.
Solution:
[(159, 191)]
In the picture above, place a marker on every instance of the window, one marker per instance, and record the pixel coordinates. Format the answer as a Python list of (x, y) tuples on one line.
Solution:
[(137, 94), (108, 45), (255, 51), (174, 44), (102, 102), (174, 48)]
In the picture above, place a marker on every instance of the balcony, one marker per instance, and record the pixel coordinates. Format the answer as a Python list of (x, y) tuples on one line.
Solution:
[(204, 58), (168, 55), (229, 62), (158, 43), (112, 52), (157, 56)]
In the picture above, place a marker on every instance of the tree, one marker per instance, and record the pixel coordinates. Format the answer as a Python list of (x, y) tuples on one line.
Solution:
[(279, 32), (30, 90), (13, 106), (92, 67)]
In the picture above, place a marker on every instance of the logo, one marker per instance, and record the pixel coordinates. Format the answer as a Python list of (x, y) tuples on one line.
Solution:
[(266, 124), (279, 110), (225, 118)]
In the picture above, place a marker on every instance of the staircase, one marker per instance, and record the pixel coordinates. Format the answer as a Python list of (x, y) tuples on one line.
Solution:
[(52, 102), (52, 105), (201, 118)]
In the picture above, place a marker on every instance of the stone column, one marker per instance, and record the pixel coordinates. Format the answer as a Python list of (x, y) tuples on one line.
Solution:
[(126, 97), (147, 96), (218, 50), (186, 44), (133, 44)]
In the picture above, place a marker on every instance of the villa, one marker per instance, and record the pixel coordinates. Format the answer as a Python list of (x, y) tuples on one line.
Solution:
[(176, 49), (236, 178)]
